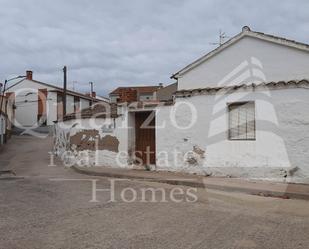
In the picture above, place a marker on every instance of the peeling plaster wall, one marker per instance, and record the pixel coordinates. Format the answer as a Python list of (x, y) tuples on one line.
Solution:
[(280, 152), (80, 138)]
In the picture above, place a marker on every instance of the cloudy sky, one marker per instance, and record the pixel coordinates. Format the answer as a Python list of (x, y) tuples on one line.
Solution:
[(129, 42)]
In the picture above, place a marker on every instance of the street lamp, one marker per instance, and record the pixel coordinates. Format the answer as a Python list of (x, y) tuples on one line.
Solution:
[(4, 87)]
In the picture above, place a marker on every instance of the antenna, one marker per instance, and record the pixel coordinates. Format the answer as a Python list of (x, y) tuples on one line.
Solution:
[(222, 37), (73, 84)]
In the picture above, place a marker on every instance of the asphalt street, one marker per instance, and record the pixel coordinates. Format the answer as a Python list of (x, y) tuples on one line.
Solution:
[(50, 207)]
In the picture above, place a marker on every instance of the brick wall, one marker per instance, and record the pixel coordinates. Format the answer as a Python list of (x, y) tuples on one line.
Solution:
[(127, 95)]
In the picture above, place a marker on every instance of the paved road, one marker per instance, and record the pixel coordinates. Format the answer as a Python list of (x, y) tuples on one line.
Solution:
[(42, 211)]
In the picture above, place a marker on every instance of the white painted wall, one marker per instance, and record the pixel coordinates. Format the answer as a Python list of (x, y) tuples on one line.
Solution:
[(70, 104), (146, 97), (281, 145), (27, 106), (84, 103), (113, 98), (51, 106), (248, 60), (282, 136), (26, 112)]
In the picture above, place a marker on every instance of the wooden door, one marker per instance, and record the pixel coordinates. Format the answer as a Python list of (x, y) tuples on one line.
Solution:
[(145, 135)]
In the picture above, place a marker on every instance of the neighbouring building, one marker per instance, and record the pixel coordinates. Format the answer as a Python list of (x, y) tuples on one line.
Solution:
[(105, 99), (41, 103), (166, 93), (6, 116), (134, 93), (239, 111)]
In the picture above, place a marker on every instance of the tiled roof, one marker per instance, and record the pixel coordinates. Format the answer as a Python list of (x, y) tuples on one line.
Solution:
[(139, 89), (70, 92), (73, 93), (304, 83), (282, 39), (57, 89), (98, 110)]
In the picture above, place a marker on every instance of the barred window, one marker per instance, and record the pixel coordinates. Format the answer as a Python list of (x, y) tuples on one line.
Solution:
[(242, 121)]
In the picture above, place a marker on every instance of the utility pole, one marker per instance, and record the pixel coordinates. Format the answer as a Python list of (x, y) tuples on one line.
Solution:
[(91, 91), (64, 97)]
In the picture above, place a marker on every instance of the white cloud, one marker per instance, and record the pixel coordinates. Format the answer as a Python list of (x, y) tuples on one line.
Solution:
[(116, 43)]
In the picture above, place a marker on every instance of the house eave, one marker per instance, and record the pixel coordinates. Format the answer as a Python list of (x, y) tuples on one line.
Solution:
[(291, 84)]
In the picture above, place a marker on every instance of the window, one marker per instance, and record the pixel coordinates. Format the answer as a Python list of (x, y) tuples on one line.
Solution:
[(242, 121)]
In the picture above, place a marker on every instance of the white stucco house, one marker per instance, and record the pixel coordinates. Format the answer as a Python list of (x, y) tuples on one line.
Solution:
[(38, 103), (241, 110)]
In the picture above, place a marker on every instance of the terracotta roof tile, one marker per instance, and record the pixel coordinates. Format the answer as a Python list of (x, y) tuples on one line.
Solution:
[(98, 110), (139, 89), (304, 83)]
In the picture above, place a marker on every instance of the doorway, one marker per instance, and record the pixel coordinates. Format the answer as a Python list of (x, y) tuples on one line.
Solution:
[(145, 137)]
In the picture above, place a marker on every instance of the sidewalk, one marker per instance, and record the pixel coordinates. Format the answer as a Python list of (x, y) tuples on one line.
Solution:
[(255, 187)]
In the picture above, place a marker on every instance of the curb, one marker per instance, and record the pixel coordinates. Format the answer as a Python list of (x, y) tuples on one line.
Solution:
[(11, 178), (152, 179), (196, 184)]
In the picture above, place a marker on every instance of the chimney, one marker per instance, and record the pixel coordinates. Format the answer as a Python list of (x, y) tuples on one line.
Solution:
[(29, 75), (160, 85)]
